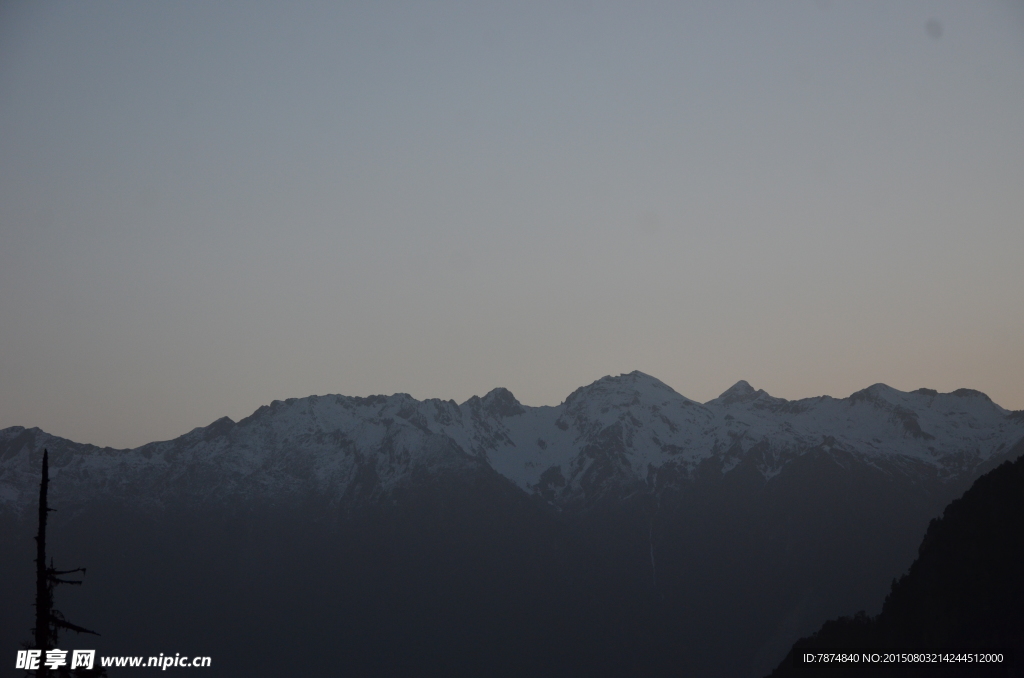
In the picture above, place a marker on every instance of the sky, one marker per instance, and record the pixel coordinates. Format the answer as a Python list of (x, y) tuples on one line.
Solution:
[(208, 206)]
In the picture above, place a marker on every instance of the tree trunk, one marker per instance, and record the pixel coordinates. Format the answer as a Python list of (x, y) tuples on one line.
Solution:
[(44, 600)]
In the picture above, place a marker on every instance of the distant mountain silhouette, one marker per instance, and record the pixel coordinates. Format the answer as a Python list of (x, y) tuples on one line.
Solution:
[(965, 591)]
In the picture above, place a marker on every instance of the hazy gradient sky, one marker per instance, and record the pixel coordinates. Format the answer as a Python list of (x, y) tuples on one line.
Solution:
[(206, 206)]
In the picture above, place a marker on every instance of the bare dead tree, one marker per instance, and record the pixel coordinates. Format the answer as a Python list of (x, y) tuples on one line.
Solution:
[(49, 621)]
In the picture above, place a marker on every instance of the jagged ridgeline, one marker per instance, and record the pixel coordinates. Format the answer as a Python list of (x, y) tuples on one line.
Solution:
[(627, 531), (964, 592)]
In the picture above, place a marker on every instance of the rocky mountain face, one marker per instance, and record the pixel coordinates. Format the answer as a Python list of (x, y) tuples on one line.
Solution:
[(627, 527)]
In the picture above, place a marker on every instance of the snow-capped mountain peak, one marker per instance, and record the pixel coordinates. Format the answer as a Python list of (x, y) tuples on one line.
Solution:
[(606, 437), (740, 392), (498, 402)]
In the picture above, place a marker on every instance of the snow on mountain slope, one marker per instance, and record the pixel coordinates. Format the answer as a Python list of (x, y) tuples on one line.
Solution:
[(610, 435), (643, 424)]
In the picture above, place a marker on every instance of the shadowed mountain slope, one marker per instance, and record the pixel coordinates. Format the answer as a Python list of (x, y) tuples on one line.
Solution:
[(964, 592)]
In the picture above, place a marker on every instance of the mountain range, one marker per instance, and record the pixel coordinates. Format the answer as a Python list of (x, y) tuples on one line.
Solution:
[(627, 528)]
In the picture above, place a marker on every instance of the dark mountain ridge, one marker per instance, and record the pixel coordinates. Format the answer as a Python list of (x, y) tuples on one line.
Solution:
[(964, 592)]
